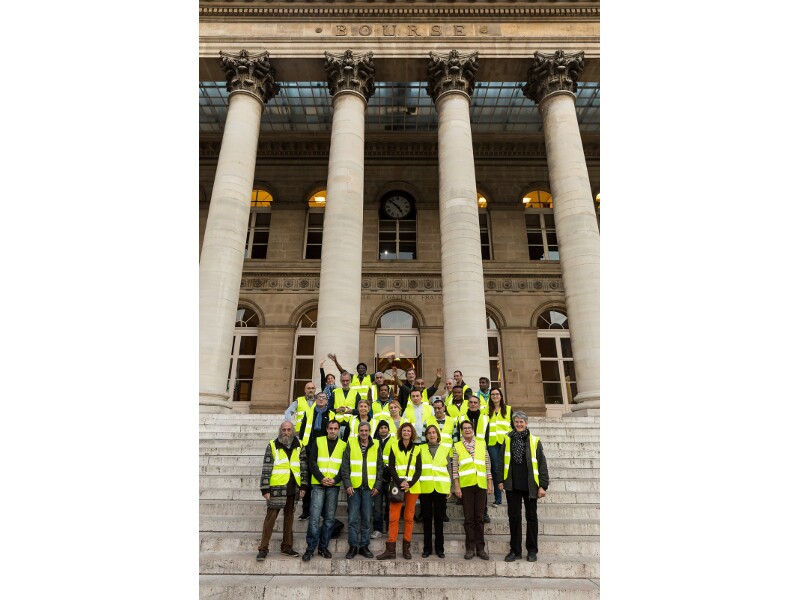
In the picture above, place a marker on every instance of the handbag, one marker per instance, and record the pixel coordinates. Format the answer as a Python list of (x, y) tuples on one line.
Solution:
[(396, 493)]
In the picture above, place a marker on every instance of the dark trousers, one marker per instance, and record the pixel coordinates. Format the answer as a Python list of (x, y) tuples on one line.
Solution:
[(269, 525), (433, 508), (306, 503), (515, 500), (380, 509), (474, 499)]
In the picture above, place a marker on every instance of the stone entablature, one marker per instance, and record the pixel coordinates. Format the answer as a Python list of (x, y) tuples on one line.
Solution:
[(412, 284)]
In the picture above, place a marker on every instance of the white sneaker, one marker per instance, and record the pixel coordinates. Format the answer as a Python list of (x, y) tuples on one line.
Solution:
[(375, 535)]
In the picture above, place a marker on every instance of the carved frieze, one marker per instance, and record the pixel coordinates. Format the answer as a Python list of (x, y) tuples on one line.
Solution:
[(348, 71), (448, 72), (552, 73), (251, 74)]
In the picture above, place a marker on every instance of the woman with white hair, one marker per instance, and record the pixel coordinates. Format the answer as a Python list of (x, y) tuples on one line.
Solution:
[(525, 479)]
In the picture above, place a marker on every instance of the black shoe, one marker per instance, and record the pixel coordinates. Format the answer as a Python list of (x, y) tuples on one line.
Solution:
[(469, 554), (426, 553), (487, 519), (511, 557), (364, 551), (290, 552), (446, 519), (531, 556), (304, 516), (307, 557), (482, 555), (351, 553), (262, 554), (495, 504), (440, 554), (417, 519), (324, 553)]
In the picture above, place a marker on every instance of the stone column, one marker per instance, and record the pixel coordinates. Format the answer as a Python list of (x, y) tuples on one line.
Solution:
[(552, 82), (451, 79), (350, 82), (251, 83)]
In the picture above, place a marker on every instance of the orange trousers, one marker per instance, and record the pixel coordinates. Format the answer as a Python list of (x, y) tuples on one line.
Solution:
[(394, 517)]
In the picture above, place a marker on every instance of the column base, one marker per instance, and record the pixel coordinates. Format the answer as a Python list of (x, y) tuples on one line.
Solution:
[(587, 406), (214, 403)]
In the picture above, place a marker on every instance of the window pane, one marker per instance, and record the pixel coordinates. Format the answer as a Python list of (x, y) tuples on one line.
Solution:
[(552, 393), (245, 368), (550, 370), (494, 371), (259, 252), (313, 251), (262, 219), (305, 345), (536, 252), (304, 368), (547, 347), (384, 345), (408, 251), (549, 220), (315, 219), (566, 348), (569, 369), (243, 391), (408, 346), (314, 237), (408, 226), (299, 389), (494, 346), (535, 238), (397, 319), (248, 345)]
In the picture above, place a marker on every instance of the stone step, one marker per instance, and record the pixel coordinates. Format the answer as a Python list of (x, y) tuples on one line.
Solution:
[(544, 509), (388, 587), (498, 525), (556, 484), (255, 472), (553, 545), (455, 565), (277, 418), (554, 497), (264, 427), (256, 461), (225, 450), (260, 444)]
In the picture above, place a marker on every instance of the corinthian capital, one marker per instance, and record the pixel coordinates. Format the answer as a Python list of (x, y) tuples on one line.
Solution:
[(348, 71), (553, 73), (448, 72), (251, 74)]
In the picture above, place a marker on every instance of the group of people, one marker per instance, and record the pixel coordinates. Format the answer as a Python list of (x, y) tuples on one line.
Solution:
[(393, 447)]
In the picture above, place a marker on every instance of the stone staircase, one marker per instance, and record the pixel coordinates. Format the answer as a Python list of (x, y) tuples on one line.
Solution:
[(232, 512)]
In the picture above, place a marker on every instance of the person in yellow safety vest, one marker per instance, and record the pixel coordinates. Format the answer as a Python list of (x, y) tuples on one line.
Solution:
[(405, 469), (361, 382), (458, 379), (380, 504), (325, 466), (284, 476), (314, 424), (374, 390), (472, 479), (380, 405), (444, 422), (362, 406), (437, 472), (395, 418), (300, 405), (480, 420), (525, 479), (499, 425), (458, 406), (417, 414), (483, 392), (344, 400), (362, 478), (448, 391)]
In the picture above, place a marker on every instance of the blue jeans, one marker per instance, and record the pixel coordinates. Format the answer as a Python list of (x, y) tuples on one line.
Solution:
[(323, 504), (359, 504), (496, 460)]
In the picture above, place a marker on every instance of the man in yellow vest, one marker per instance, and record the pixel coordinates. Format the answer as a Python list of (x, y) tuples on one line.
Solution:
[(314, 424), (361, 382), (284, 477), (458, 379), (472, 479), (362, 477), (525, 479), (325, 466), (418, 414), (380, 405), (300, 405), (344, 400)]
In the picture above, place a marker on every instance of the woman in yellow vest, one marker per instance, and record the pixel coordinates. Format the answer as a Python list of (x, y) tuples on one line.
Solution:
[(405, 469), (434, 488), (499, 425), (472, 479)]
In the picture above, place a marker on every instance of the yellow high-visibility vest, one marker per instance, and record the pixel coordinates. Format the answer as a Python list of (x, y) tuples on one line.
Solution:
[(282, 468), (434, 470), (361, 387), (534, 442), (357, 464), (401, 464), (330, 465), (302, 407), (309, 417), (499, 424), (340, 399), (380, 412), (410, 414), (471, 470), (445, 431), (480, 428)]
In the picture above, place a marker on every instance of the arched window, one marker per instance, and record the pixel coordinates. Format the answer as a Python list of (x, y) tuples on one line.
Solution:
[(555, 356), (314, 221), (495, 360), (397, 226), (483, 221), (540, 225), (304, 341), (258, 229), (243, 355), (397, 342)]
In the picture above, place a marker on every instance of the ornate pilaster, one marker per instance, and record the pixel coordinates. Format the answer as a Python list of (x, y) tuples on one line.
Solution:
[(552, 73), (353, 72), (251, 74), (450, 72)]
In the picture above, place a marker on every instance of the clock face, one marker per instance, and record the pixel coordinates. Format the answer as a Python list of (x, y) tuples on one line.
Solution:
[(397, 207)]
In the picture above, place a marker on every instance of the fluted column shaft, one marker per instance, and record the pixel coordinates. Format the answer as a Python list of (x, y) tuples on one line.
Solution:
[(222, 255), (552, 85), (450, 83), (339, 311)]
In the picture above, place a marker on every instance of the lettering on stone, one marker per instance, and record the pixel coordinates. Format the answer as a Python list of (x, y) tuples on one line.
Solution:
[(402, 30)]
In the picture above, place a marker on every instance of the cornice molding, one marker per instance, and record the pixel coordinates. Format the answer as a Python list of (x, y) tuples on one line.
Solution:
[(248, 11)]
